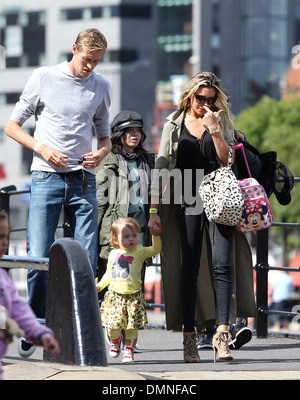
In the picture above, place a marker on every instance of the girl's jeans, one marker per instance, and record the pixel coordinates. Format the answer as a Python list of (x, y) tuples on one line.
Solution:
[(221, 237), (49, 192)]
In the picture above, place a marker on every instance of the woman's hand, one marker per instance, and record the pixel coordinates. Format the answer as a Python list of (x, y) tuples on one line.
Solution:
[(210, 119), (155, 225), (239, 136)]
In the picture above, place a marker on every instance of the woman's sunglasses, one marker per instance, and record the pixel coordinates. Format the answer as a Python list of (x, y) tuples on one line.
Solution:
[(202, 99)]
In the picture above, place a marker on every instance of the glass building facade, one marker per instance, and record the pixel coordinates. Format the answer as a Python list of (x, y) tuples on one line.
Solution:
[(265, 49), (174, 38)]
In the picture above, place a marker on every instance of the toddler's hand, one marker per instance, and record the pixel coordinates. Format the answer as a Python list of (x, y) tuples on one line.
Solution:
[(97, 284), (49, 343), (156, 230)]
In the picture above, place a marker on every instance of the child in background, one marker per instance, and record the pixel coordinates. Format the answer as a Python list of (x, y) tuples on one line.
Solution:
[(124, 305), (16, 316)]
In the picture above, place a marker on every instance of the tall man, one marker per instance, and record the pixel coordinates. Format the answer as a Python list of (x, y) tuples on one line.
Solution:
[(69, 102)]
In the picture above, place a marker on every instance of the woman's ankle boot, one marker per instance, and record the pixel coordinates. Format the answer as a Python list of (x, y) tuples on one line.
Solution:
[(190, 351)]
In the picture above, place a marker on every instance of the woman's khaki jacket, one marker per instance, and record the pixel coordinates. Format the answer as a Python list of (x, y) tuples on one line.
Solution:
[(112, 202), (243, 303), (113, 198)]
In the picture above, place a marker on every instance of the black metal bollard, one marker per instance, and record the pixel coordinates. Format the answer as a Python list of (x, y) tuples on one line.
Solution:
[(262, 283), (72, 309), (4, 197)]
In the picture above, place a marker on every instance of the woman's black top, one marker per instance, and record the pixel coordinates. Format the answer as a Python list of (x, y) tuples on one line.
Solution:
[(195, 154)]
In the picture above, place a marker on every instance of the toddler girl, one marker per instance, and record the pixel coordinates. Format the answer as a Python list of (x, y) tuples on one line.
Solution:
[(124, 305)]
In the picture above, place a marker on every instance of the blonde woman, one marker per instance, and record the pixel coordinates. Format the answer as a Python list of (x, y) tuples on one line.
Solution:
[(196, 137)]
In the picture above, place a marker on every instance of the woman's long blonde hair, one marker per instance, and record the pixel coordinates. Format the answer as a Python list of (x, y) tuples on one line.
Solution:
[(208, 80)]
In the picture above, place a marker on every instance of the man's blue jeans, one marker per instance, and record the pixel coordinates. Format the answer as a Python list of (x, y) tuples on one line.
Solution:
[(49, 192)]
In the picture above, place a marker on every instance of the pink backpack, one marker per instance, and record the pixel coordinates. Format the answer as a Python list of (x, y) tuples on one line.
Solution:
[(257, 212)]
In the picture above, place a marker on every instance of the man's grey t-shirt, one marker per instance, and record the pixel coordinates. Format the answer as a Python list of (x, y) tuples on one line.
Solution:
[(67, 109)]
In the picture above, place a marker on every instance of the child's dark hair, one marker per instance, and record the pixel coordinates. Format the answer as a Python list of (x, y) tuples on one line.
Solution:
[(117, 141)]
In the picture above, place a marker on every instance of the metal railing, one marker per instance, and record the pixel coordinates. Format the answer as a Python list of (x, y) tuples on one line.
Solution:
[(262, 266), (70, 276), (7, 192), (262, 269)]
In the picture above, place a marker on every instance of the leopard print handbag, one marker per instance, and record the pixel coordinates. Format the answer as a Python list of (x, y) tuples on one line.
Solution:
[(222, 196)]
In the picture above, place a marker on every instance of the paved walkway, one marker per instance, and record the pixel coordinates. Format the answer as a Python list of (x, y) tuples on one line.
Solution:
[(274, 358), (40, 371)]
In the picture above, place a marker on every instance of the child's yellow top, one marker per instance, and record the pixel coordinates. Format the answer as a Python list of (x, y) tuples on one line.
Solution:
[(123, 272)]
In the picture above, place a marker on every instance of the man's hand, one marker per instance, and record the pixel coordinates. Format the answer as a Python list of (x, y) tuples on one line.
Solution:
[(53, 156)]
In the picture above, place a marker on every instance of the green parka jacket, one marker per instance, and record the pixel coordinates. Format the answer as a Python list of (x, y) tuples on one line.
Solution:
[(113, 198)]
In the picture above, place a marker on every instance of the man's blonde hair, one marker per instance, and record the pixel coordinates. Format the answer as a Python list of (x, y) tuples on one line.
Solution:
[(121, 222), (92, 39)]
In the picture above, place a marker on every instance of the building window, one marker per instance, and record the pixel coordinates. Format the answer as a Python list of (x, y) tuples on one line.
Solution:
[(175, 20), (122, 11), (265, 54), (70, 14), (22, 35), (12, 98), (175, 38), (9, 98), (172, 3), (121, 56), (12, 18), (97, 12), (13, 62), (133, 11)]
